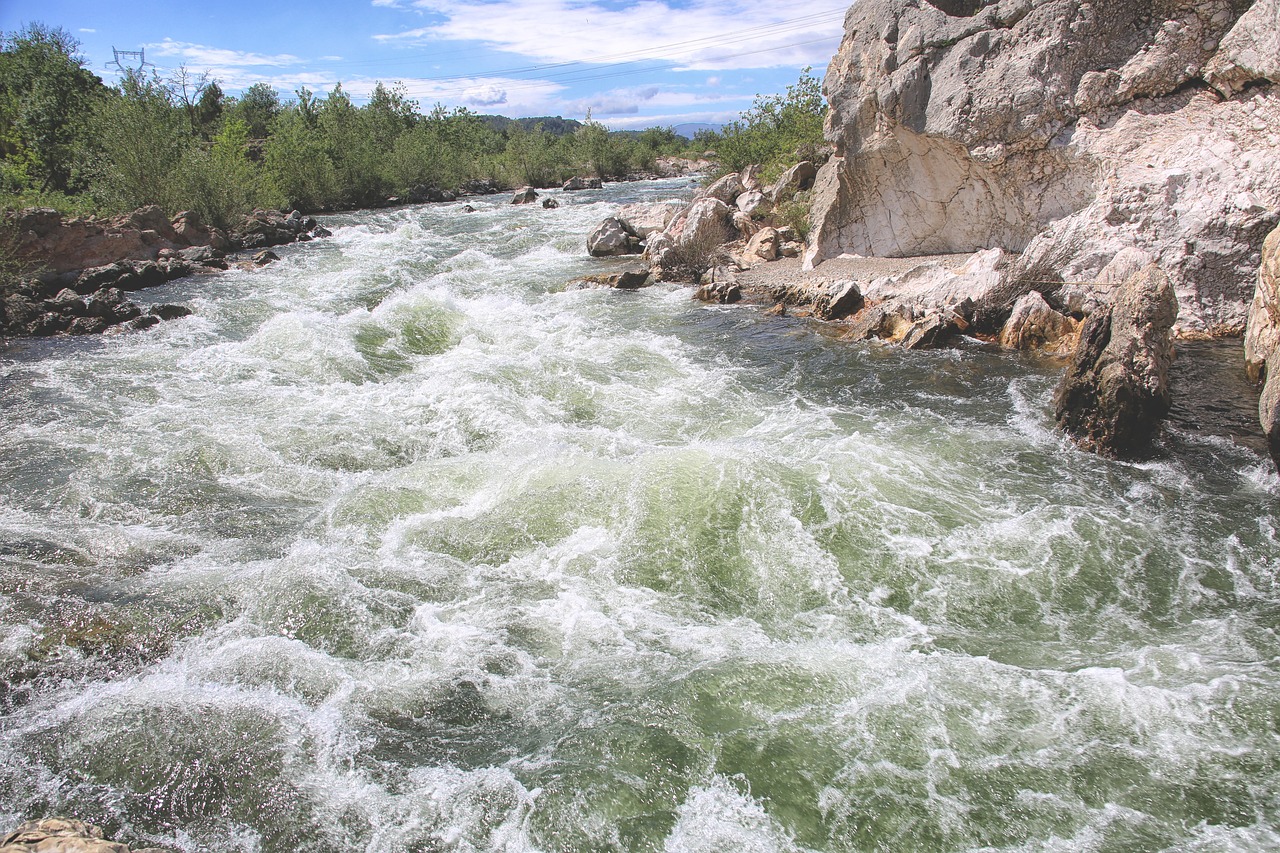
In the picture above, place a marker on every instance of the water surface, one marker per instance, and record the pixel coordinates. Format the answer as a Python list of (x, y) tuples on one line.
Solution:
[(397, 545)]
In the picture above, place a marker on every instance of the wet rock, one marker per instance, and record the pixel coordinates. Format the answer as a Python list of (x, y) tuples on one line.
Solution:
[(63, 835), (628, 279), (576, 184), (525, 195), (610, 238), (1033, 324), (550, 203), (1116, 389), (169, 311), (841, 299), (466, 208), (719, 285), (266, 256)]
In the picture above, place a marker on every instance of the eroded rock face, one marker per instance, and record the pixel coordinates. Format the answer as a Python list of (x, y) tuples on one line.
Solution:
[(1034, 324), (1064, 129), (1262, 334), (1116, 390), (63, 835)]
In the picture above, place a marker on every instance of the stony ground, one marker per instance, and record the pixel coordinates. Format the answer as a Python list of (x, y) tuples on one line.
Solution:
[(790, 272)]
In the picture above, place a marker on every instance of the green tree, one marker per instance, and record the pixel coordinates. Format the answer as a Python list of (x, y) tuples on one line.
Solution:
[(257, 107), (142, 137), (778, 130), (46, 100)]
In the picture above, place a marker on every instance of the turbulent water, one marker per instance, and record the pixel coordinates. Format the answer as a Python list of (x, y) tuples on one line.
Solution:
[(397, 545)]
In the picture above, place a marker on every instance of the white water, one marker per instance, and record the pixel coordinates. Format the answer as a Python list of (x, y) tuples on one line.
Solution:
[(395, 545)]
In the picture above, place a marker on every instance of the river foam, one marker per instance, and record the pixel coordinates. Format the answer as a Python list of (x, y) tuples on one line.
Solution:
[(396, 544)]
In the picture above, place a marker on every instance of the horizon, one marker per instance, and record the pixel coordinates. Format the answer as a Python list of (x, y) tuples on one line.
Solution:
[(658, 63)]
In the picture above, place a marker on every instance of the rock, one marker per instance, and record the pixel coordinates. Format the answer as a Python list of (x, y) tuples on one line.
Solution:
[(200, 254), (169, 311), (466, 208), (841, 299), (727, 189), (796, 179), (628, 279), (611, 239), (266, 256), (422, 194), (550, 203), (762, 247), (580, 183), (525, 195), (321, 231), (791, 249), (1035, 325), (641, 220), (63, 835), (720, 286), (1269, 414), (1116, 389), (1262, 333), (752, 202), (1062, 131)]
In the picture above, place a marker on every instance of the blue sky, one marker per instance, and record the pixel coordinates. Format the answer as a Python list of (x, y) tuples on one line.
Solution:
[(633, 65)]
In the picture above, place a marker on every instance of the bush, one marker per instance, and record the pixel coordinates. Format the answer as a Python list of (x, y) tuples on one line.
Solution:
[(775, 129)]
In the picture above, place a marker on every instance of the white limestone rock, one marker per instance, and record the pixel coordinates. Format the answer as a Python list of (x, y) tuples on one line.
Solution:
[(1065, 129)]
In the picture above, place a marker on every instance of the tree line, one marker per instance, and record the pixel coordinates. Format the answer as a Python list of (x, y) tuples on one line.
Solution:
[(68, 140)]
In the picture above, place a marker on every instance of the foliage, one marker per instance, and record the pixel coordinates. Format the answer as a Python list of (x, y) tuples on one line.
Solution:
[(46, 99), (71, 142), (776, 132)]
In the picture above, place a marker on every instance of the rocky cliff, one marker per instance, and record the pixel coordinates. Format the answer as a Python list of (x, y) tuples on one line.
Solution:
[(1065, 130)]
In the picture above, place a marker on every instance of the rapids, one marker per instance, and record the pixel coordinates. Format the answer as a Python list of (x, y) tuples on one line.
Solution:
[(397, 545)]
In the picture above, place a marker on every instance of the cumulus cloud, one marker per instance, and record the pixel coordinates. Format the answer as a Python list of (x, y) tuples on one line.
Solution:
[(487, 95)]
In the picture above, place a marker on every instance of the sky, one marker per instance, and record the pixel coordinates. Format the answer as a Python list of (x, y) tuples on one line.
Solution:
[(637, 64)]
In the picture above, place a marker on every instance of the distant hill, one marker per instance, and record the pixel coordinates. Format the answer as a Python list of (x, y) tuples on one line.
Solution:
[(554, 125), (690, 129)]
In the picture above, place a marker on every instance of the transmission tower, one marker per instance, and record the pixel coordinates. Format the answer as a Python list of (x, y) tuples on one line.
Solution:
[(140, 56)]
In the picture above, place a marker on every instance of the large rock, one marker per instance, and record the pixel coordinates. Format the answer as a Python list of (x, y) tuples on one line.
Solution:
[(796, 179), (1262, 334), (1034, 324), (63, 835), (641, 220), (1067, 130), (1116, 390), (524, 195), (726, 189), (610, 238)]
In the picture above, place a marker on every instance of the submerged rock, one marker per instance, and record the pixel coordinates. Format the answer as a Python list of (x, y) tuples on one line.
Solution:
[(525, 195), (1116, 389)]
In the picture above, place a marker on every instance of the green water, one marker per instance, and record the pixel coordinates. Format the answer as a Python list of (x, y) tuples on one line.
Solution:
[(396, 545)]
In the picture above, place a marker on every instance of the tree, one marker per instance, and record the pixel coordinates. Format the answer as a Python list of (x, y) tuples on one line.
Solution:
[(46, 99), (257, 107), (777, 131), (142, 137)]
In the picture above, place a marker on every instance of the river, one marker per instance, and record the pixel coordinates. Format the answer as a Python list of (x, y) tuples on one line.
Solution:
[(397, 545)]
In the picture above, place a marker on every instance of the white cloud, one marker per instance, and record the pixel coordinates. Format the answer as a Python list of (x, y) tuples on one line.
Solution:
[(87, 30), (203, 56), (487, 95), (705, 34)]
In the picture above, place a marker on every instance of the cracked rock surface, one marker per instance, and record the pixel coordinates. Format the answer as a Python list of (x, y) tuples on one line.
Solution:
[(1066, 130)]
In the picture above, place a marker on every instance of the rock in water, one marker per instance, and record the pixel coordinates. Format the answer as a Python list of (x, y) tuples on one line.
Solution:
[(611, 238), (63, 835), (525, 195), (1116, 390), (1035, 325), (1066, 130), (1262, 339)]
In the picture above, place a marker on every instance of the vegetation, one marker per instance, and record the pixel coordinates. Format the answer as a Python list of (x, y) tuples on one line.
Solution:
[(69, 141), (776, 133)]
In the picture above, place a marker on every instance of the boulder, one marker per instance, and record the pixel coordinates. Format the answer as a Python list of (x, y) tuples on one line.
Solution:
[(726, 189), (752, 202), (719, 285), (525, 195), (576, 184), (266, 256), (796, 179), (641, 220), (762, 247), (63, 835), (1035, 325), (1116, 389), (1062, 130), (609, 239), (840, 299), (549, 203), (1262, 333), (628, 279)]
